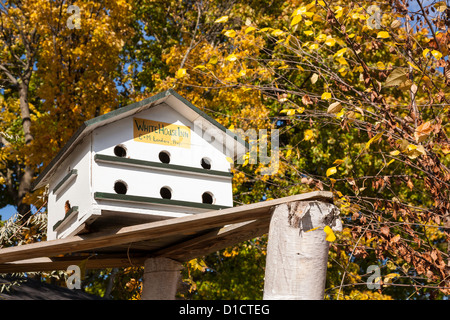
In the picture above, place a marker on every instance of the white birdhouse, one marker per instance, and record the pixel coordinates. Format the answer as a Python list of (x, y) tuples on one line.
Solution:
[(155, 159)]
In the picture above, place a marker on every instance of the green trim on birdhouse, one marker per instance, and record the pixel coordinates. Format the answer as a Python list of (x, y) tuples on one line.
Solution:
[(150, 200), (67, 216), (165, 166), (72, 174), (88, 126)]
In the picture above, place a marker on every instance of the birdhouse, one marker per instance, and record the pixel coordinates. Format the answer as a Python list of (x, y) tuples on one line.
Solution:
[(155, 159)]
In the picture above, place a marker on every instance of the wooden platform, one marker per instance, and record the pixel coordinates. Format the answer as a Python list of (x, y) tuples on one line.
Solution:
[(179, 239)]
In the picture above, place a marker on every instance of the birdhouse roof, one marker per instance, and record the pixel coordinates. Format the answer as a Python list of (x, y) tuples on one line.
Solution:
[(169, 97)]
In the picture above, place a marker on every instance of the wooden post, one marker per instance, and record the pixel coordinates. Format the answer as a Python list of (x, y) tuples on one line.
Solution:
[(296, 262), (161, 277)]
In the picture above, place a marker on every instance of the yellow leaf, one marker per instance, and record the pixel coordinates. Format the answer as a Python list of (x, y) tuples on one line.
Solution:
[(441, 6), (249, 29), (330, 42), (326, 96), (413, 151), (330, 234), (288, 153), (299, 11), (340, 114), (222, 19), (312, 229), (338, 161), (374, 139), (436, 54), (314, 46), (390, 276), (201, 67), (380, 65), (340, 53), (425, 52), (309, 134), (277, 32), (390, 162), (331, 171), (308, 23), (296, 20), (180, 73), (308, 32), (289, 112), (265, 29), (445, 149), (394, 153), (231, 57), (230, 33), (229, 160), (321, 37), (383, 35), (339, 12), (213, 60), (414, 66)]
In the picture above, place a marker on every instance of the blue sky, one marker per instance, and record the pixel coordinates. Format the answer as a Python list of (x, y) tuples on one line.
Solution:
[(7, 212)]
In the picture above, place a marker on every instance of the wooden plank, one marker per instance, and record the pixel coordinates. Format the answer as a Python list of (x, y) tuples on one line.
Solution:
[(61, 263), (215, 240), (153, 230)]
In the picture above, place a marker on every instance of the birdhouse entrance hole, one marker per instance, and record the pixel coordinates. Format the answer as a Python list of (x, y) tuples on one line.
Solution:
[(208, 198), (166, 193), (206, 163), (120, 151), (120, 187), (164, 157)]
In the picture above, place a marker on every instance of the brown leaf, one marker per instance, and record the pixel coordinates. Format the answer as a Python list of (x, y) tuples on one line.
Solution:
[(395, 239), (385, 230), (306, 100), (410, 184), (423, 131), (434, 255)]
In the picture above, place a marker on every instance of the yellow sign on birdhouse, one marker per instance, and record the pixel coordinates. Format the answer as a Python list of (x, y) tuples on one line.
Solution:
[(158, 132)]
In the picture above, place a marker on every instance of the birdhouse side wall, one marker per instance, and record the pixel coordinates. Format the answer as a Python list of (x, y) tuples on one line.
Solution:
[(70, 188)]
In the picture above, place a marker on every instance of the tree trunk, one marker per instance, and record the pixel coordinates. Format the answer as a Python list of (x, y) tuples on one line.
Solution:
[(296, 263), (27, 174)]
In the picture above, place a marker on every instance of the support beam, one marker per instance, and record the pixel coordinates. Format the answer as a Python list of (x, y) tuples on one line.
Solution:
[(161, 278), (296, 262)]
